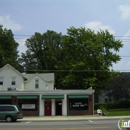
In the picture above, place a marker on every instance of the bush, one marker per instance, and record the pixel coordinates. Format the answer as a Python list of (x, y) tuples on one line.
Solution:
[(124, 104), (115, 105), (104, 109), (99, 105)]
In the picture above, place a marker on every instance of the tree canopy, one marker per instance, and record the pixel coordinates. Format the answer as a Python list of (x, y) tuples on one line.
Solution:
[(8, 48), (43, 51), (80, 59), (119, 88)]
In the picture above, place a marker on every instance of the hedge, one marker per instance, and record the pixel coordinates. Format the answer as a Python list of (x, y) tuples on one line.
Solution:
[(115, 105)]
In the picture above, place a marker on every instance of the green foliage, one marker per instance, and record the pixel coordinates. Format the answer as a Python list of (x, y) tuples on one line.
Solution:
[(118, 112), (8, 48), (120, 87), (104, 109), (43, 51), (116, 105), (93, 54), (82, 57), (100, 105)]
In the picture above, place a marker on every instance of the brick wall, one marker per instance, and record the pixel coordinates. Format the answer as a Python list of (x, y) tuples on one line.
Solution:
[(82, 112)]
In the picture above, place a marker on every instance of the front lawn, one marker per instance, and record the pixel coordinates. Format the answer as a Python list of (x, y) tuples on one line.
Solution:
[(118, 112)]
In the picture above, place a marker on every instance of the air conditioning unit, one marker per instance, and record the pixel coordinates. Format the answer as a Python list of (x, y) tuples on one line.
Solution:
[(14, 89), (9, 89)]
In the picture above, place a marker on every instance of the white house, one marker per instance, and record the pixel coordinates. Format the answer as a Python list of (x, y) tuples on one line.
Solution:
[(36, 96)]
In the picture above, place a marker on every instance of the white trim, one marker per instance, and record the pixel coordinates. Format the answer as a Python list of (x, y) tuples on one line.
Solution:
[(9, 66), (48, 92), (41, 106), (64, 105), (33, 76), (53, 107)]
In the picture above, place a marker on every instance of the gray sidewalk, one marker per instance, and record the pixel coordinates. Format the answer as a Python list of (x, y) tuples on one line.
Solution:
[(70, 118)]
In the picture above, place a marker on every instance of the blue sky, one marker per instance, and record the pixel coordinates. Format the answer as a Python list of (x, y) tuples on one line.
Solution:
[(25, 17)]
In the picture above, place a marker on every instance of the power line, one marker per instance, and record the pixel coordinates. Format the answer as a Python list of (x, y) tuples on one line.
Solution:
[(34, 34), (111, 70), (125, 56), (22, 35)]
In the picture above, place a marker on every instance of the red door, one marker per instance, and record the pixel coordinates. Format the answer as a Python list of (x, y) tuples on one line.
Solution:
[(47, 108)]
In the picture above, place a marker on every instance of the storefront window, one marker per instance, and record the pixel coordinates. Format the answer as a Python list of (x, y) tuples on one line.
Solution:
[(2, 101), (1, 80), (28, 105), (78, 104)]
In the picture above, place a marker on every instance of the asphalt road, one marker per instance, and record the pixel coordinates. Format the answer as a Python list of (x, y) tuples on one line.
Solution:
[(61, 125)]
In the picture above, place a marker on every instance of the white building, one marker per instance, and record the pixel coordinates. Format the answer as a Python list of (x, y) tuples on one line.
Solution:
[(36, 96)]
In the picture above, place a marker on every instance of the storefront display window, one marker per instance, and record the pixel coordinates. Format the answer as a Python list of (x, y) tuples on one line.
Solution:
[(78, 104), (28, 105), (9, 101)]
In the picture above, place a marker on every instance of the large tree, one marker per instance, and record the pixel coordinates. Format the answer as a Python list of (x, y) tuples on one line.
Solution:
[(43, 51), (119, 88), (8, 48), (88, 56), (81, 58)]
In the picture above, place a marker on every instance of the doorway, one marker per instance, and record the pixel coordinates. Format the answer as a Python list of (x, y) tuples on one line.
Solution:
[(58, 107), (47, 108)]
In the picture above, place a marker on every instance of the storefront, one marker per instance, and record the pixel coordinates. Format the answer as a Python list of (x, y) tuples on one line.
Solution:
[(80, 104), (29, 104), (51, 103)]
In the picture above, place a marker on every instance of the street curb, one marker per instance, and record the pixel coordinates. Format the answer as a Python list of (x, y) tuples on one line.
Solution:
[(72, 119)]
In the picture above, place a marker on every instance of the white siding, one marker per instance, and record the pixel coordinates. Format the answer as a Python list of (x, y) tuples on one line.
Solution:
[(103, 98), (53, 107), (41, 108), (43, 85), (7, 73), (64, 105)]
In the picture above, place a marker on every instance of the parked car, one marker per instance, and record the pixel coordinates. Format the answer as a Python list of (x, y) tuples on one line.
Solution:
[(10, 113)]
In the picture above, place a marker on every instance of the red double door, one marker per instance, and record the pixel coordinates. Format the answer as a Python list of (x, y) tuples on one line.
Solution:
[(47, 108)]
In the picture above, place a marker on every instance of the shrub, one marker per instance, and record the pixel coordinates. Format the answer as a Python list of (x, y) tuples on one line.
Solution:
[(99, 105), (115, 105)]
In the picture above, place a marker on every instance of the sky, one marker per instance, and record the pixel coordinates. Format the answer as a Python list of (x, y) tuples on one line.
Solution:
[(25, 17)]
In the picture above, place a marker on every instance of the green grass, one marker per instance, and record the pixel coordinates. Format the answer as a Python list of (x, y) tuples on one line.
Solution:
[(118, 112)]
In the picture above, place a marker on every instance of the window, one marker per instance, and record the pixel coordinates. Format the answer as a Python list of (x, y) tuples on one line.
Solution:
[(1, 80), (7, 108), (13, 82), (106, 100), (1, 108), (34, 103), (78, 104), (110, 100), (36, 83)]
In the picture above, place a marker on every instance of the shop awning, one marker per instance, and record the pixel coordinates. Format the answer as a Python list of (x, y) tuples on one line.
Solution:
[(52, 96), (78, 96), (27, 97), (5, 97)]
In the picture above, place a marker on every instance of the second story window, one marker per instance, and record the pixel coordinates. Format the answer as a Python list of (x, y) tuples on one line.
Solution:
[(1, 80), (13, 82), (36, 83)]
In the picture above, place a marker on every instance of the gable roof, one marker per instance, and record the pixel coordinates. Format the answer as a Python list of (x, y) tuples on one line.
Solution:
[(8, 65), (48, 77)]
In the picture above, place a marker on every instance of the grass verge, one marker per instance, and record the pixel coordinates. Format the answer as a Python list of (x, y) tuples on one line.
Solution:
[(118, 112)]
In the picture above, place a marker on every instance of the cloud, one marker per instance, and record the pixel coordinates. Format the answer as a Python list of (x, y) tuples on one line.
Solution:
[(122, 66), (125, 11), (21, 47), (127, 34), (126, 38), (97, 26), (9, 24)]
